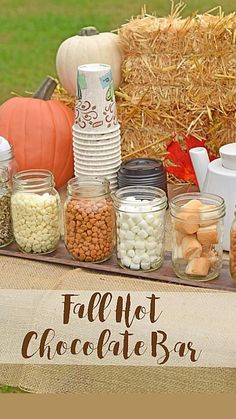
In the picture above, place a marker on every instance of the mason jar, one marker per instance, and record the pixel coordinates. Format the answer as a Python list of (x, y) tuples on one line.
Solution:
[(89, 219), (6, 234), (197, 235), (140, 220), (35, 206)]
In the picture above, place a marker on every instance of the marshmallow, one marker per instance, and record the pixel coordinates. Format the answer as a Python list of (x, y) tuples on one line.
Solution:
[(208, 235), (139, 244), (191, 247), (198, 266), (130, 235), (142, 234), (135, 229), (143, 225), (150, 245), (139, 252), (145, 258)]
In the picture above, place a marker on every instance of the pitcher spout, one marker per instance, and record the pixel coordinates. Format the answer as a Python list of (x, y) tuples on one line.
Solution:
[(200, 161)]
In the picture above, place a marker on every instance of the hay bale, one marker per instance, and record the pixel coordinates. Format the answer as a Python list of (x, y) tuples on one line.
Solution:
[(179, 78)]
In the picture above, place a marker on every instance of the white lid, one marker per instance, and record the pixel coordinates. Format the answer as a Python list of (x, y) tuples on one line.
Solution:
[(4, 145), (228, 155)]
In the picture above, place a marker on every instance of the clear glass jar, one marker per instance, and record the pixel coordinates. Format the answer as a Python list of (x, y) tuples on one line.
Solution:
[(6, 233), (140, 219), (197, 235), (89, 219), (232, 254), (36, 212)]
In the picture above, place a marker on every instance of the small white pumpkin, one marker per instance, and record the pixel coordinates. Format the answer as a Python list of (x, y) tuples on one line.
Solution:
[(88, 47)]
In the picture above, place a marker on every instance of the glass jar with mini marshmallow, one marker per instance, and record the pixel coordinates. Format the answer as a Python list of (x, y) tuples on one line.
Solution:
[(36, 212), (197, 235), (140, 219)]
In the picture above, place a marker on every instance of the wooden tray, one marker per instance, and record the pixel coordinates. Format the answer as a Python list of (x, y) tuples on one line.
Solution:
[(163, 274)]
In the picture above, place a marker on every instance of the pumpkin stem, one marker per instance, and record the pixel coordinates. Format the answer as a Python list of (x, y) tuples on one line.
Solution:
[(88, 31), (46, 89)]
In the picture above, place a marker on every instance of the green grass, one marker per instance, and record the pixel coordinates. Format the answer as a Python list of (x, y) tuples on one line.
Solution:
[(8, 389), (32, 30)]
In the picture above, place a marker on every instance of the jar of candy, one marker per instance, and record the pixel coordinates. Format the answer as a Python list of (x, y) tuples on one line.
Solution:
[(6, 234), (7, 159), (197, 235), (89, 219), (36, 212), (140, 219)]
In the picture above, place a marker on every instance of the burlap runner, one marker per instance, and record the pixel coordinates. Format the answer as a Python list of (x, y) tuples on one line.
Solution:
[(23, 274), (89, 379)]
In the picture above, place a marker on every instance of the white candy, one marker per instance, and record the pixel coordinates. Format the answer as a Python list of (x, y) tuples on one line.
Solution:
[(145, 265), (136, 259), (36, 221), (135, 266), (129, 244), (145, 258), (131, 253), (126, 261)]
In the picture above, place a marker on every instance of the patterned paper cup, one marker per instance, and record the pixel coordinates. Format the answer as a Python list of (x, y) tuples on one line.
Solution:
[(95, 106), (99, 164), (93, 152), (97, 143), (94, 136), (96, 171), (86, 158)]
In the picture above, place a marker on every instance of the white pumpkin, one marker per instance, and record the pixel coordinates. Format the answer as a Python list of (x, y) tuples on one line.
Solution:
[(86, 48)]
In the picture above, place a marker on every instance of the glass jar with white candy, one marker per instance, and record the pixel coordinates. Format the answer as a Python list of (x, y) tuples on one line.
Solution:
[(35, 208), (140, 219)]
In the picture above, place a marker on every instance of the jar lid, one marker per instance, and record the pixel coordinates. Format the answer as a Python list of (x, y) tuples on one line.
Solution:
[(5, 149), (141, 168)]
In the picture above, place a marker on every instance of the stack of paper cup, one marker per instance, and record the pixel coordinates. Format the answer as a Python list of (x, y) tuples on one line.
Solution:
[(96, 132)]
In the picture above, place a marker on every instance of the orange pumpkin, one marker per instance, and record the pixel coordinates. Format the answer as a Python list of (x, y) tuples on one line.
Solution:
[(39, 128)]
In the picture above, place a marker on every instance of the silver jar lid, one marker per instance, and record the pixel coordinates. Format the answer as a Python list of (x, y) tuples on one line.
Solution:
[(6, 150)]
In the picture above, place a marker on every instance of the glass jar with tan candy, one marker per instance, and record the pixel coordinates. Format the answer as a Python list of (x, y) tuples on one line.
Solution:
[(197, 235), (89, 219)]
